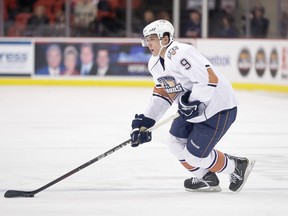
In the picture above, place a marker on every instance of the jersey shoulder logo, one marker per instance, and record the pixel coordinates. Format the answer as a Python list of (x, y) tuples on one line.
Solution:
[(170, 86), (172, 51)]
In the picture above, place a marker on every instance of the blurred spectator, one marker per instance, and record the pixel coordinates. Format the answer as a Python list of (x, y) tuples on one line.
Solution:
[(70, 55), (163, 14), (85, 12), (59, 25), (53, 59), (104, 5), (259, 24), (147, 17), (26, 5), (228, 30), (284, 24), (38, 23), (96, 29), (11, 9), (108, 22), (215, 18), (192, 28), (87, 66)]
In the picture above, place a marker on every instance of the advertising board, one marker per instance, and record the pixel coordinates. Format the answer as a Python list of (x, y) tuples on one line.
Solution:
[(249, 61), (16, 57)]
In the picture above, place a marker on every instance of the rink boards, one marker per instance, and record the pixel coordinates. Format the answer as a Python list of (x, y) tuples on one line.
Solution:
[(248, 63)]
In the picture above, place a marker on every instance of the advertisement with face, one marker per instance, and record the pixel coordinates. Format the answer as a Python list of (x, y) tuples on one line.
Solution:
[(91, 59)]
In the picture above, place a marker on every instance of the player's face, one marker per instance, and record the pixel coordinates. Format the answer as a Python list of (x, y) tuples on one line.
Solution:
[(153, 43)]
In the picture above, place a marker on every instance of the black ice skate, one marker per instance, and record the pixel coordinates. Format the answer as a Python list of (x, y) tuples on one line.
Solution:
[(243, 168), (209, 183)]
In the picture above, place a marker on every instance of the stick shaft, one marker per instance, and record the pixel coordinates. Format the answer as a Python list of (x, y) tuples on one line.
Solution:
[(165, 121), (88, 163), (13, 193)]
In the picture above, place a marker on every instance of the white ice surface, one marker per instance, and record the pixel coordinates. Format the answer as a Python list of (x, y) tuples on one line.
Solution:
[(47, 131)]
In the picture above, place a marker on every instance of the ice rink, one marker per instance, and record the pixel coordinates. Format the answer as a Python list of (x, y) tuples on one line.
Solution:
[(48, 131)]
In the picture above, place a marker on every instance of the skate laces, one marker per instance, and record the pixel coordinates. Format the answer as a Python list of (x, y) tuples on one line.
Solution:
[(194, 181), (234, 177)]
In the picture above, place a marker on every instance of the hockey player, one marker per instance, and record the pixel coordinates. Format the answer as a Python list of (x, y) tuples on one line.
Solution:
[(206, 104)]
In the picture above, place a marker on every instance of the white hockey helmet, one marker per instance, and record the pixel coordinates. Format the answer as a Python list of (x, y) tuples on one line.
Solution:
[(158, 27)]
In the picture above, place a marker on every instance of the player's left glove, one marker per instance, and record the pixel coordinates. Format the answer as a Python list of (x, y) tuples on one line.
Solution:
[(138, 133), (186, 109)]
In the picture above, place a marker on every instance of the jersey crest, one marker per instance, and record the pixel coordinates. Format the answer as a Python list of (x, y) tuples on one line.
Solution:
[(171, 87)]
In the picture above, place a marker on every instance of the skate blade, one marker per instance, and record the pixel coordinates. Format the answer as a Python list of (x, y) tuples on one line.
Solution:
[(250, 166), (206, 189)]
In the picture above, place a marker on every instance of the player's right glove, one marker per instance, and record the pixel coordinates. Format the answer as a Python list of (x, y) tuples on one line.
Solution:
[(186, 109), (139, 134)]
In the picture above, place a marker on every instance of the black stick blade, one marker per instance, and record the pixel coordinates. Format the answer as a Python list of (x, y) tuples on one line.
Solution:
[(15, 193)]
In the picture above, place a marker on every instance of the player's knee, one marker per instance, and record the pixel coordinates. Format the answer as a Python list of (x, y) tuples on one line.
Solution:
[(176, 146), (195, 160), (191, 159)]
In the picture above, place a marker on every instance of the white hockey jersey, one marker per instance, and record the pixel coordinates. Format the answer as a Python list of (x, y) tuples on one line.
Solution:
[(185, 68)]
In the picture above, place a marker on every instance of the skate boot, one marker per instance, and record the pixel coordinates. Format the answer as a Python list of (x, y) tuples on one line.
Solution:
[(243, 168), (209, 183)]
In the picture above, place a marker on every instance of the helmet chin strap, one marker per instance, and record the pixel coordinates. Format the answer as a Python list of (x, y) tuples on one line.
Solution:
[(163, 46)]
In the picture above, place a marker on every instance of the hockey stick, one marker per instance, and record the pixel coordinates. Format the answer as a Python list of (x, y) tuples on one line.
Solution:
[(17, 193)]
